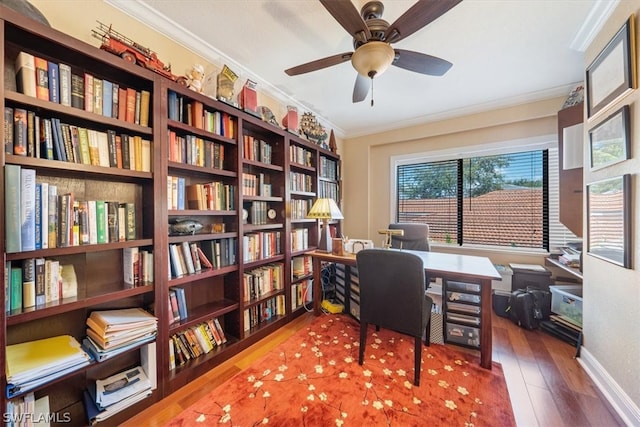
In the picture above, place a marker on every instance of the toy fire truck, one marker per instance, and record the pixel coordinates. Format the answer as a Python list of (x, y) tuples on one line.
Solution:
[(118, 44)]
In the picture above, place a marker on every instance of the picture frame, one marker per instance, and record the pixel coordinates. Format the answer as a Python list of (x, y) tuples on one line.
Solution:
[(610, 140), (613, 72), (609, 220)]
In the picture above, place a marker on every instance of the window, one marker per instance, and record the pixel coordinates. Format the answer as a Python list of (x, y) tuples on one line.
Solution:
[(493, 200)]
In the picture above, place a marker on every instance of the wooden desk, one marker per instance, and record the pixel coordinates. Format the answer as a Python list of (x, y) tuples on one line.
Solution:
[(447, 266)]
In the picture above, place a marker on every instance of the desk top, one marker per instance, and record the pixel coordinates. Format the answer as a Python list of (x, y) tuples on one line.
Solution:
[(436, 263)]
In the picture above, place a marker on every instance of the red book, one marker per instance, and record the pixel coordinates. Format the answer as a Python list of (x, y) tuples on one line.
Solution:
[(42, 78), (130, 113)]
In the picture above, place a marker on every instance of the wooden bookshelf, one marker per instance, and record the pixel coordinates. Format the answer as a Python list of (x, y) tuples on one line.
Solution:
[(210, 293)]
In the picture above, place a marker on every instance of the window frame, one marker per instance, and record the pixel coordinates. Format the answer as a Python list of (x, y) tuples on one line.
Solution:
[(543, 142)]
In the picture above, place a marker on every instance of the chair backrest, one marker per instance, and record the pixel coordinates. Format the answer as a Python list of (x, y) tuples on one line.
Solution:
[(416, 236), (392, 290)]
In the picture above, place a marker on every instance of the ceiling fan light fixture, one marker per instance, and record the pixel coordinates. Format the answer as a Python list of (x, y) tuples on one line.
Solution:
[(373, 58)]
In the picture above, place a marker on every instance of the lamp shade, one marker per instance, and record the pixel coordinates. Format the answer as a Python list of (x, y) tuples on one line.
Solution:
[(373, 58), (325, 209)]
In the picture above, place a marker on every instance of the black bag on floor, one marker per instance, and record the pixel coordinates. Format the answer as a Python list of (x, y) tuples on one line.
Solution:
[(528, 307)]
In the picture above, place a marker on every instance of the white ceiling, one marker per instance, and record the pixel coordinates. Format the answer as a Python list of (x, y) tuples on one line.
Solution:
[(504, 52)]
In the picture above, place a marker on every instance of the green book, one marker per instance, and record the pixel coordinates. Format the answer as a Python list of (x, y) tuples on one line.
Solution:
[(16, 288), (12, 215), (101, 221)]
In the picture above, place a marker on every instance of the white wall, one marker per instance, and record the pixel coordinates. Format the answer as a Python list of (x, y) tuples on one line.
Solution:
[(611, 293)]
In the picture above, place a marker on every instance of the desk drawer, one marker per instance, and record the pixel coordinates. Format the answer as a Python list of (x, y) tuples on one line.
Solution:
[(465, 335), (462, 297), (462, 286)]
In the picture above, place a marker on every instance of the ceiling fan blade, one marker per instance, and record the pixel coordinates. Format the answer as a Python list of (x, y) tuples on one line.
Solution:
[(348, 16), (319, 64), (418, 15), (361, 88), (421, 63)]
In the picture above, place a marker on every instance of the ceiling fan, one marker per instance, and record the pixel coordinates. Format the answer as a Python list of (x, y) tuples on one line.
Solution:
[(372, 38)]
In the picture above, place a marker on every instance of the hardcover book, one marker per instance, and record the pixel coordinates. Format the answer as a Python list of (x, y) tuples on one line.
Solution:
[(20, 138), (28, 209), (65, 84), (54, 82), (26, 74), (42, 78)]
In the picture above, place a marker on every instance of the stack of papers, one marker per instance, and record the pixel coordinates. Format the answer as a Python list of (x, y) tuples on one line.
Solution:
[(112, 332), (33, 363), (111, 395)]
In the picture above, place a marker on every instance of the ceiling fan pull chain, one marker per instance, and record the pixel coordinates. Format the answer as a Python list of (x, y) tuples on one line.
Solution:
[(372, 91)]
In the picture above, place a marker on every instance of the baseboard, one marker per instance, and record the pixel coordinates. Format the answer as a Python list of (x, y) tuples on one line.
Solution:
[(619, 400)]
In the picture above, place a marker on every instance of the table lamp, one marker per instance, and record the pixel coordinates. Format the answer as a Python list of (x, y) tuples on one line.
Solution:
[(325, 209)]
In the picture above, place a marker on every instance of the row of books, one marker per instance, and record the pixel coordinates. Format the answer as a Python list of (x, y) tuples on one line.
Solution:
[(301, 182), (301, 293), (301, 266), (260, 245), (193, 113), (255, 185), (35, 282), (31, 135), (137, 267), (300, 208), (56, 82), (300, 156), (215, 195), (177, 305), (329, 168), (193, 257), (262, 280), (193, 150), (112, 332), (299, 239), (195, 341), (257, 211), (329, 190), (257, 149), (264, 311), (26, 410), (37, 217)]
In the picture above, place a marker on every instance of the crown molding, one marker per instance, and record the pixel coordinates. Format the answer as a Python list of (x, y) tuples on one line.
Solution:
[(160, 23), (598, 16)]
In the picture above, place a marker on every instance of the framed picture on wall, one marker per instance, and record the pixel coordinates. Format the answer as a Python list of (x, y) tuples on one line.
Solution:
[(613, 72), (609, 141), (609, 220)]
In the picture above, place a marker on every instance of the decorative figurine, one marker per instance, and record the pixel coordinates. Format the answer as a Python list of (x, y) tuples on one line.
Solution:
[(313, 130), (184, 226), (290, 121), (196, 78), (267, 115), (332, 142), (249, 98), (226, 81)]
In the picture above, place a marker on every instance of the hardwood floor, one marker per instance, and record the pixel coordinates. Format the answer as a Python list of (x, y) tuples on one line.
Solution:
[(547, 386)]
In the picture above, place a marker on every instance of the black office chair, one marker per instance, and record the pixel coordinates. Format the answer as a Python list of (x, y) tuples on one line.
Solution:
[(416, 236), (392, 296)]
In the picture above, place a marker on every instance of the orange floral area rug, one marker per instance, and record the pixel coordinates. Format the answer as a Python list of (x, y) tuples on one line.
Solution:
[(314, 379)]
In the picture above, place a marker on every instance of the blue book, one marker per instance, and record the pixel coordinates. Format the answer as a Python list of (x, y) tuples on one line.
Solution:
[(38, 216), (12, 205), (182, 302), (28, 209), (107, 98), (54, 82), (172, 102), (181, 191), (58, 143)]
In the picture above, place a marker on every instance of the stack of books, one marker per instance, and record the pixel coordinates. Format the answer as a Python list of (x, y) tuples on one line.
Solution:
[(33, 363), (112, 332), (114, 394)]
